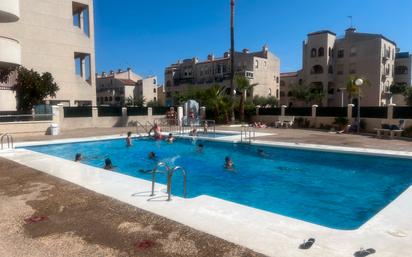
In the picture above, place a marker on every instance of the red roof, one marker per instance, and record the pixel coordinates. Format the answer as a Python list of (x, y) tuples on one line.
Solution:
[(127, 81)]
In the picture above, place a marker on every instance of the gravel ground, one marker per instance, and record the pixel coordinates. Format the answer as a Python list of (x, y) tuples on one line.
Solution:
[(78, 222)]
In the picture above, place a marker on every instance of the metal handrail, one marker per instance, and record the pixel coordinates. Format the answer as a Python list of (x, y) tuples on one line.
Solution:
[(9, 141), (169, 181), (154, 171), (170, 173), (248, 132)]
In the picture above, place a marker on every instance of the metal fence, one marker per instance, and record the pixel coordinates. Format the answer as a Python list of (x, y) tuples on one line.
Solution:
[(160, 110), (78, 112), (371, 112), (299, 111), (104, 111), (402, 112), (332, 111), (269, 111), (137, 111), (25, 117)]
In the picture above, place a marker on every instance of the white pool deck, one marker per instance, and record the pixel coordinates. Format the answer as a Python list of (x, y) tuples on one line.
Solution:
[(389, 232)]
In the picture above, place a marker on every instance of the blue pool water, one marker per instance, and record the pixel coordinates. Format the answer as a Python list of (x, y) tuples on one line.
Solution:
[(336, 190)]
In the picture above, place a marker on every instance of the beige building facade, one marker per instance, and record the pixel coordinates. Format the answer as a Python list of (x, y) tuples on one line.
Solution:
[(55, 37), (330, 61), (115, 88), (260, 67)]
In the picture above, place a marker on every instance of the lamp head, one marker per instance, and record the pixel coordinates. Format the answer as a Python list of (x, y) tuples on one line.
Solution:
[(359, 82)]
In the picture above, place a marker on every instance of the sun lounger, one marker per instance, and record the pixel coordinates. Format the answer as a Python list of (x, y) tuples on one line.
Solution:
[(285, 122), (390, 130)]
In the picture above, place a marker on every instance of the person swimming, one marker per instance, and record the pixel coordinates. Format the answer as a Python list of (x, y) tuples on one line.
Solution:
[(229, 165), (157, 132), (200, 148), (78, 157), (170, 139), (261, 153), (108, 164), (129, 139), (152, 156)]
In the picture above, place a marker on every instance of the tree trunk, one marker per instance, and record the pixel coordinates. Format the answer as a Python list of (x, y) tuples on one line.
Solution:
[(232, 56), (242, 106)]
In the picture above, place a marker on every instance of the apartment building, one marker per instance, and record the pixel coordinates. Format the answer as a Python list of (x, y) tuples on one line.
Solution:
[(261, 67), (403, 69), (10, 51), (51, 36), (329, 62), (115, 88)]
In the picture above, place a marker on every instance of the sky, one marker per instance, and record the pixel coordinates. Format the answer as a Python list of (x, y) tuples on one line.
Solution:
[(149, 35)]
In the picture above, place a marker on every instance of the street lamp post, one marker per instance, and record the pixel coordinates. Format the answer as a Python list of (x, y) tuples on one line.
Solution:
[(342, 90), (359, 83)]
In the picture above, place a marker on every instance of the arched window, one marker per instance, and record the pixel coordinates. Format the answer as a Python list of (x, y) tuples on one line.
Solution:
[(317, 69), (313, 52), (399, 70), (321, 52)]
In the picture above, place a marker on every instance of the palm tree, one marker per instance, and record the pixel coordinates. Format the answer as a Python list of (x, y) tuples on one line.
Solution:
[(215, 98), (232, 55), (243, 85)]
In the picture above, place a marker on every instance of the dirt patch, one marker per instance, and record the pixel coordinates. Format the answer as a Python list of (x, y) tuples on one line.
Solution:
[(82, 223)]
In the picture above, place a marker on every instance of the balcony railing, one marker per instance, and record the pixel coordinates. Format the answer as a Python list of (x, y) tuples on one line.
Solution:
[(9, 10), (10, 52)]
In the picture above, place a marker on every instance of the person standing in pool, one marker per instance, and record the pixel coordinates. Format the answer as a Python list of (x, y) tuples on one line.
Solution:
[(170, 139), (129, 139), (152, 156), (157, 132), (199, 148), (108, 164)]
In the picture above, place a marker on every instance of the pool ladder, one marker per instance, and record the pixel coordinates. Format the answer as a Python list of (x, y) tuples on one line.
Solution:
[(9, 141), (247, 134), (169, 171)]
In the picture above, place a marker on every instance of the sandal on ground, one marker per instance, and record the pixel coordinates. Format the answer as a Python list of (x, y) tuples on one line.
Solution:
[(307, 244), (364, 253)]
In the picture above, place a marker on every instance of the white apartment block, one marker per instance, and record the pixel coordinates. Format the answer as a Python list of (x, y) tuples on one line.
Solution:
[(329, 62), (114, 88), (260, 67), (50, 36)]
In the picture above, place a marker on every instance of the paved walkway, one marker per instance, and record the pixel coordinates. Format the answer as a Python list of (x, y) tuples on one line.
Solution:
[(78, 222)]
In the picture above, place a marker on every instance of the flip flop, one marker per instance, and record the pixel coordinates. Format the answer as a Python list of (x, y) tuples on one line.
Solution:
[(307, 244), (364, 253)]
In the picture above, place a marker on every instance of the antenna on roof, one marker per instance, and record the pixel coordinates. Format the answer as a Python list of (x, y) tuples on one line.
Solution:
[(351, 21)]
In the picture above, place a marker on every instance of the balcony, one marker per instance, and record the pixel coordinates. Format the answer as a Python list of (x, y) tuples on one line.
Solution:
[(10, 52), (9, 10)]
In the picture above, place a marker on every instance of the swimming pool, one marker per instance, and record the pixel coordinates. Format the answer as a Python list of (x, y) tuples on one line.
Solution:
[(335, 190)]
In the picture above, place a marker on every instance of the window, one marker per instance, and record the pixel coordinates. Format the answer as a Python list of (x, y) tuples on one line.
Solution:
[(317, 69), (117, 98), (313, 52), (81, 17), (401, 70), (353, 51), (340, 69), (83, 66), (330, 69), (352, 68), (277, 79), (282, 83), (257, 64), (341, 53), (290, 94), (321, 52), (282, 94), (154, 90), (154, 81), (330, 52)]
